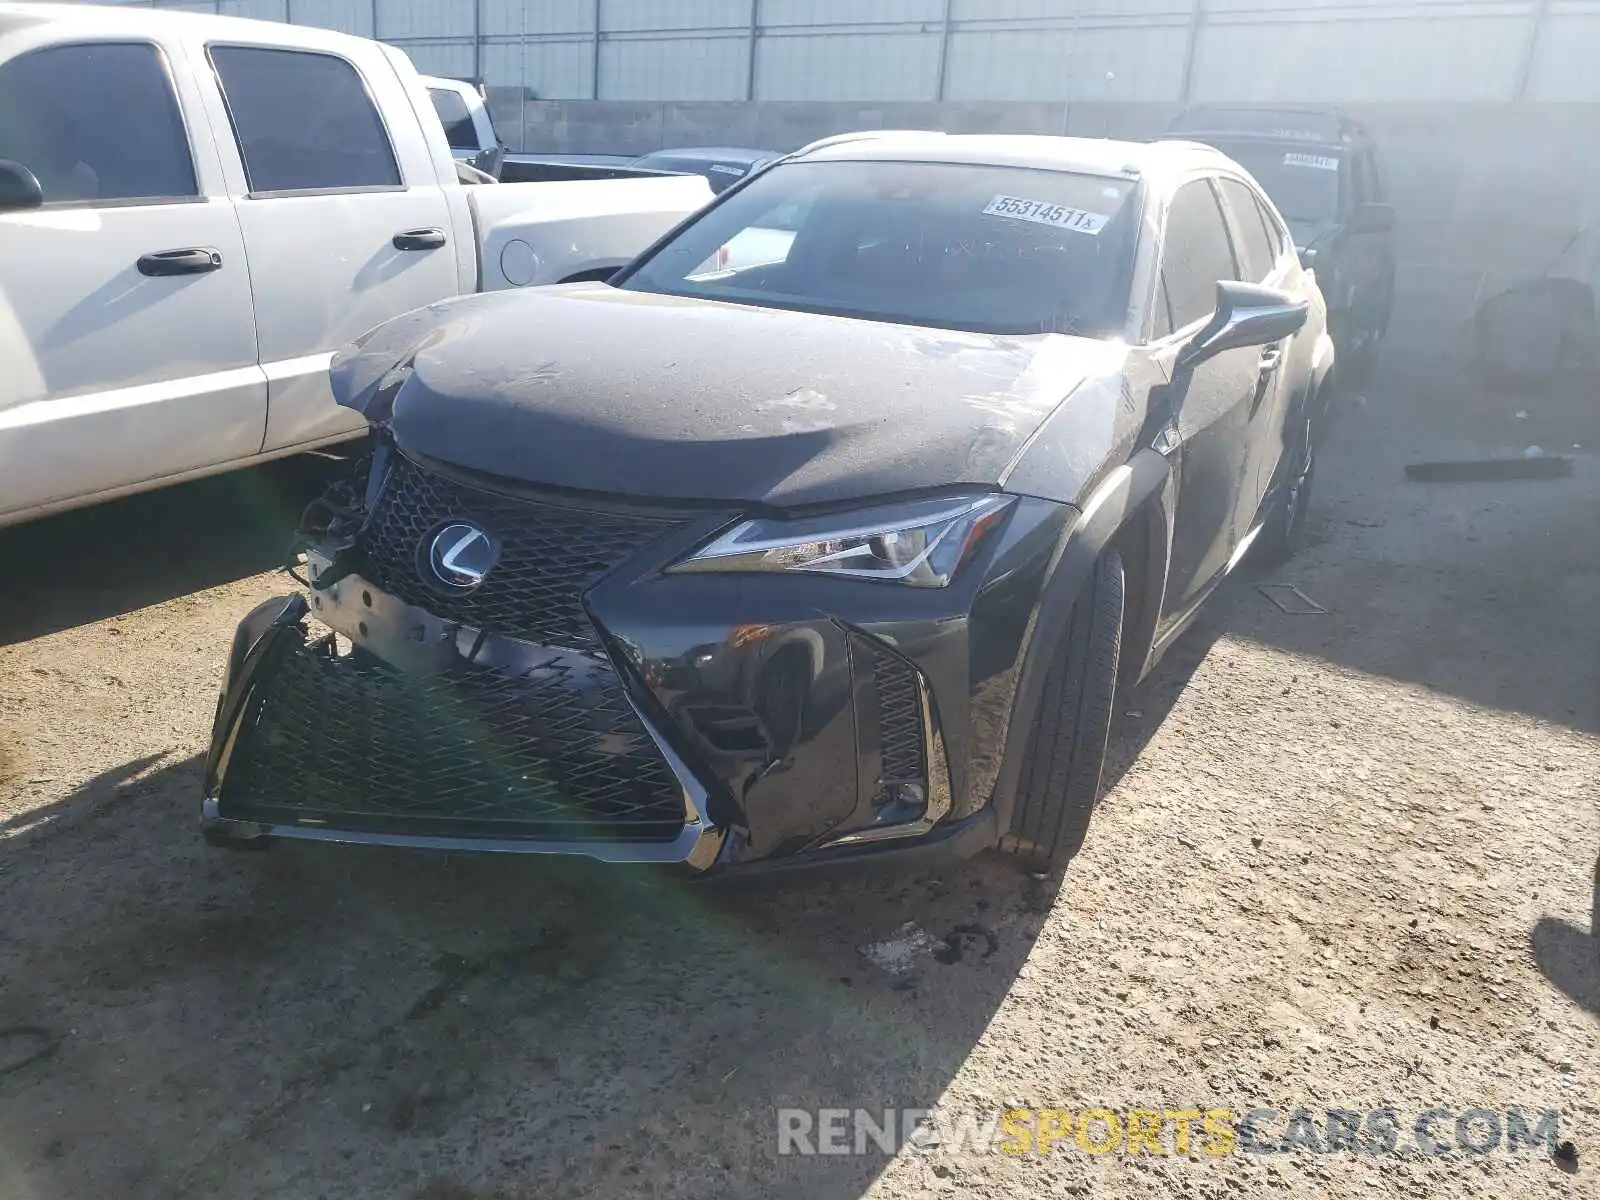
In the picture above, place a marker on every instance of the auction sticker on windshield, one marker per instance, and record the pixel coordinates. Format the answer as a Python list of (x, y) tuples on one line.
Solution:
[(1042, 212), (1318, 162)]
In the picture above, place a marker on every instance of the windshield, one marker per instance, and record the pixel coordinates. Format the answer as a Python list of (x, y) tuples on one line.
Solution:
[(1303, 180), (984, 249)]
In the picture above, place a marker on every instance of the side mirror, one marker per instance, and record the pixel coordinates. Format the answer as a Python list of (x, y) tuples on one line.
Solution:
[(1308, 257), (1247, 315), (1374, 218), (19, 187)]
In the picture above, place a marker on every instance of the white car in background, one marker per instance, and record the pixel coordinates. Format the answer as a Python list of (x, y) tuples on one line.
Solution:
[(197, 211)]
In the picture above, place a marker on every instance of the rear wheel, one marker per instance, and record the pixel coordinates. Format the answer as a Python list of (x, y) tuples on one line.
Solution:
[(1359, 355), (1060, 783), (1284, 532)]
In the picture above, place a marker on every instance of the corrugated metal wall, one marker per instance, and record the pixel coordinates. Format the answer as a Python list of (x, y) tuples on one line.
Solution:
[(1352, 51)]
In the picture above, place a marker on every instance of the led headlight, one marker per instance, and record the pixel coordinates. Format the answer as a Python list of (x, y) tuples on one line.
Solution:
[(921, 543)]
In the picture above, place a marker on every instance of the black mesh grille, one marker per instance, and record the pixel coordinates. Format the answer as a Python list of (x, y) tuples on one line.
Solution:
[(549, 554), (555, 753), (900, 735)]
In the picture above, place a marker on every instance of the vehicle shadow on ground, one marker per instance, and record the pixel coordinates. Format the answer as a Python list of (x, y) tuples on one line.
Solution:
[(1480, 590), (1569, 956), (363, 1022), (114, 558)]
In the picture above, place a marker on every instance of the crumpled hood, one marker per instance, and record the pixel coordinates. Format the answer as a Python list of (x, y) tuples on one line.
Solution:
[(594, 388)]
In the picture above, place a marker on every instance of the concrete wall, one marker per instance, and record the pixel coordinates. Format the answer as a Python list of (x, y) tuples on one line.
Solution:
[(1488, 196)]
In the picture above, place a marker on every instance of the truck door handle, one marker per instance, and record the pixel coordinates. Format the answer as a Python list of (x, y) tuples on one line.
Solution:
[(1270, 358), (180, 262), (419, 239)]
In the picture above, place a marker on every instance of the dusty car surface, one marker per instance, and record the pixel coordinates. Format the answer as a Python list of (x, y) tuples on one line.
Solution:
[(830, 558)]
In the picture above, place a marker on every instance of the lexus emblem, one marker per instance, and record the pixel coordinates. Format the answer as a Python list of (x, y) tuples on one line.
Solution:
[(459, 557)]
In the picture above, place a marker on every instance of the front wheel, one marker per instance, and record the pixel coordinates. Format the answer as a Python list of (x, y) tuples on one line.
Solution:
[(1060, 782)]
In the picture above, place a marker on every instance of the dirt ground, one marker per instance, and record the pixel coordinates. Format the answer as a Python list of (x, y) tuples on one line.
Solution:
[(1348, 860)]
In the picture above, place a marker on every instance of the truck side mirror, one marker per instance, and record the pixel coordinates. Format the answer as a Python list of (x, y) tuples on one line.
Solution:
[(19, 187)]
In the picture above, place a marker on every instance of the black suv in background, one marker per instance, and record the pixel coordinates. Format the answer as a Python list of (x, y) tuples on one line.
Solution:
[(1325, 174)]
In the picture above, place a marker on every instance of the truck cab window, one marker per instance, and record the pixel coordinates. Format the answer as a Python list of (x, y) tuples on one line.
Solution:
[(303, 120), (97, 123), (457, 121)]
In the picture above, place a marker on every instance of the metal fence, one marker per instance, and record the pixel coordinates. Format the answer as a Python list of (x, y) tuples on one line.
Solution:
[(1346, 51)]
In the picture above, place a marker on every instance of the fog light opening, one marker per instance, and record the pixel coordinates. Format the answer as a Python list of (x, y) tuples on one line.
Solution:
[(901, 802)]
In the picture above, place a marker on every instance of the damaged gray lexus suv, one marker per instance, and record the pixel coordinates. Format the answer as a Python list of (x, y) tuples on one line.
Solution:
[(825, 532)]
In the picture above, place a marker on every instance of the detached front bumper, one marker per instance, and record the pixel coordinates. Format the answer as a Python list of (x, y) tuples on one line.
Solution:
[(315, 744), (710, 722)]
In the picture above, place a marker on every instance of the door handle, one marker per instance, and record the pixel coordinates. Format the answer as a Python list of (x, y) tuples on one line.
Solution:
[(196, 261), (419, 239), (1266, 367)]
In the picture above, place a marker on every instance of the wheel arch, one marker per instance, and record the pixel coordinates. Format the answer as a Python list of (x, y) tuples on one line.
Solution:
[(1124, 513), (1314, 398), (1144, 541)]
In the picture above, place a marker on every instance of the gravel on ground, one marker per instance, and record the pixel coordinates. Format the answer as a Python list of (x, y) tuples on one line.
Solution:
[(1347, 860)]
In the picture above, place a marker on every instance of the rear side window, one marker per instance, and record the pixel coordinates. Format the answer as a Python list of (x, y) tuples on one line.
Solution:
[(457, 121), (1256, 250), (1363, 179), (1380, 175), (1275, 230), (1196, 254), (304, 121), (96, 122)]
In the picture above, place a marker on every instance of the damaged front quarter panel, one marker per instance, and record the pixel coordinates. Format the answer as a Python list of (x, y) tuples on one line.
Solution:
[(366, 374)]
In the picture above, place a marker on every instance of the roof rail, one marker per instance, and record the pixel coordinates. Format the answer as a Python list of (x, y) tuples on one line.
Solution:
[(1185, 143), (862, 135)]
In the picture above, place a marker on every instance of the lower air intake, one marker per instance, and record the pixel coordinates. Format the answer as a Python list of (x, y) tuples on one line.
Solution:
[(557, 753)]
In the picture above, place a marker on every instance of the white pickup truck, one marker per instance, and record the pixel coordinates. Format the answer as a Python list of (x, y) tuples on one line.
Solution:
[(197, 211)]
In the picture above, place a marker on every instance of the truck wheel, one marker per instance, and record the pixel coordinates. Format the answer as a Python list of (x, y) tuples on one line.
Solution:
[(1060, 783), (1284, 532)]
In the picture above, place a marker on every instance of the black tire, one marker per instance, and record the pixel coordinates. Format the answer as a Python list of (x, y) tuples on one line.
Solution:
[(1283, 534), (1060, 782)]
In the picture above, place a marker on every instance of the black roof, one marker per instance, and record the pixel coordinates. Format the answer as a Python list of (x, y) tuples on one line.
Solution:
[(1328, 126)]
